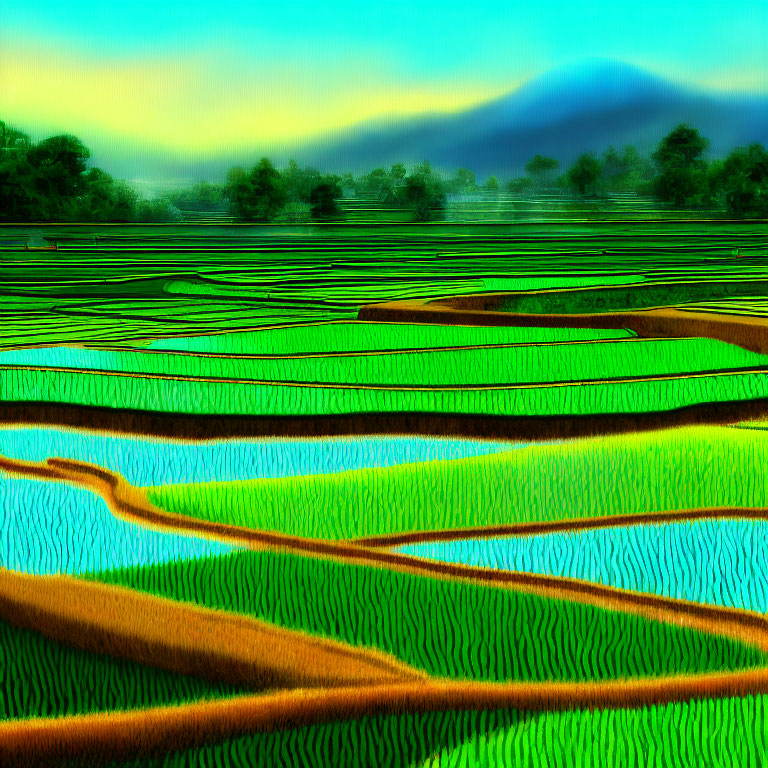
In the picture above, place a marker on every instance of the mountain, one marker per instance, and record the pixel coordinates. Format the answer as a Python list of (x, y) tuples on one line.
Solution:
[(584, 107)]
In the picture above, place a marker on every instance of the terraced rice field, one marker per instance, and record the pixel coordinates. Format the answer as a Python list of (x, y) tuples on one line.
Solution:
[(720, 561), (507, 635), (249, 516), (148, 461), (622, 475), (715, 733), (48, 527), (43, 678)]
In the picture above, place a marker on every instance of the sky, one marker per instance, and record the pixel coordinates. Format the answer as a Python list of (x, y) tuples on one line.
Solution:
[(197, 78)]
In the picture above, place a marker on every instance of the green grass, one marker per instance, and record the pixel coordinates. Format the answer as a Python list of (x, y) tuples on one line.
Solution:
[(266, 400), (458, 367), (42, 678), (719, 733), (354, 337), (445, 628), (624, 474)]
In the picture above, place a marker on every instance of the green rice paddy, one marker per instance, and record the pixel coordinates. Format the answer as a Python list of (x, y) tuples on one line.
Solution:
[(264, 319), (505, 634), (212, 397), (719, 733), (613, 475), (349, 337), (42, 678), (605, 360)]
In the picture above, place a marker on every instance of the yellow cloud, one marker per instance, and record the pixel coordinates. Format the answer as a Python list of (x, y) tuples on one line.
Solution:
[(209, 101)]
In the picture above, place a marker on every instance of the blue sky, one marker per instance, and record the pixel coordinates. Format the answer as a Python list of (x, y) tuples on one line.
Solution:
[(146, 71)]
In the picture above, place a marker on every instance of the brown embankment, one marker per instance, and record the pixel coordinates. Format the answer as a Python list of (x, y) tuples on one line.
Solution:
[(187, 638), (540, 527), (130, 503), (109, 736), (477, 426), (485, 309)]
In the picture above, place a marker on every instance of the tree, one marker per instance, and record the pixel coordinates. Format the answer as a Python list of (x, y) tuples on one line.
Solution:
[(373, 181), (323, 199), (199, 197), (519, 185), (541, 168), (681, 170), (256, 195), (16, 202), (298, 182), (103, 199), (13, 139), (398, 172), (465, 182), (59, 163), (583, 174), (158, 211), (613, 164), (49, 181), (743, 181), (424, 193), (492, 185)]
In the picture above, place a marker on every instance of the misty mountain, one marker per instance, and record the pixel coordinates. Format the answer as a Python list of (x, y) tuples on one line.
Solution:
[(581, 108), (584, 107)]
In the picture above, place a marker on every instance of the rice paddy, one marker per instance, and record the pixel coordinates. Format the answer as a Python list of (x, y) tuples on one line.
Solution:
[(49, 527), (635, 474), (506, 635), (720, 561), (43, 678), (149, 461), (718, 733), (519, 508)]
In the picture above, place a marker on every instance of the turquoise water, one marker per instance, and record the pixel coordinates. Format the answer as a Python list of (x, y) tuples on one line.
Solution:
[(143, 461), (722, 562), (48, 528)]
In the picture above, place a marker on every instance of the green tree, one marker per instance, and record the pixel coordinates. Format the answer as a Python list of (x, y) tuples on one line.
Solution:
[(199, 197), (15, 176), (159, 211), (103, 199), (258, 194), (398, 172), (492, 185), (13, 139), (681, 170), (541, 168), (372, 182), (298, 182), (613, 164), (324, 200), (742, 179), (423, 192), (584, 174), (519, 185)]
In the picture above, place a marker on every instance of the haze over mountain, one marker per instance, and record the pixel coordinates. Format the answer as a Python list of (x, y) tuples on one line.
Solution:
[(583, 107)]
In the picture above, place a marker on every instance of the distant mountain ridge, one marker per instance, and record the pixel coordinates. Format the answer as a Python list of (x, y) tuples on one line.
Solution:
[(585, 107), (582, 107)]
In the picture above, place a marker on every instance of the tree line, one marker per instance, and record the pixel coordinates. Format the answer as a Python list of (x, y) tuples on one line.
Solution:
[(50, 181)]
